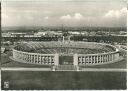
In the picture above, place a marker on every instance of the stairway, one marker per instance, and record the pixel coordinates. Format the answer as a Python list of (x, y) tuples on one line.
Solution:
[(66, 68)]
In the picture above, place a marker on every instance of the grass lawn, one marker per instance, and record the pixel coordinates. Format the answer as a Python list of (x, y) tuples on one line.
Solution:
[(64, 80)]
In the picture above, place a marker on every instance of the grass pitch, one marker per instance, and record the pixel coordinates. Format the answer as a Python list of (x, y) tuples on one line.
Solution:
[(64, 80)]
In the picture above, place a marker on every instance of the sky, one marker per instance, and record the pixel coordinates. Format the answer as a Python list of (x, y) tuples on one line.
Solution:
[(108, 13)]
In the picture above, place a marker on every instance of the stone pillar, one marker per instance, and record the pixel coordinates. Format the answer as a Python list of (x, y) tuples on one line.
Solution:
[(77, 68), (97, 59), (42, 60), (34, 58), (88, 59), (69, 38), (84, 60), (56, 59), (108, 57), (23, 56), (75, 59), (49, 58), (63, 38), (26, 57), (31, 58), (80, 60), (100, 58), (116, 56), (91, 60), (112, 57), (53, 68), (39, 59), (17, 55), (13, 53), (94, 59), (105, 57)]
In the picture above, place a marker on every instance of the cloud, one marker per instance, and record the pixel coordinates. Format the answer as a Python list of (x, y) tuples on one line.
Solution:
[(66, 17), (46, 17), (116, 13), (76, 16), (115, 17)]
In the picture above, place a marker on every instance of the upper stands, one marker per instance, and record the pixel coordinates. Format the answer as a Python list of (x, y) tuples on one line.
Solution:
[(64, 47)]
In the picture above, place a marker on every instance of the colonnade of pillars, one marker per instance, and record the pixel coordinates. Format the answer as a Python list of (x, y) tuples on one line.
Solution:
[(36, 58), (53, 59), (97, 59)]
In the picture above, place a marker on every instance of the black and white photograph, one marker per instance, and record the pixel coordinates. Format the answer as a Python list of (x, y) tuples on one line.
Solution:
[(63, 45)]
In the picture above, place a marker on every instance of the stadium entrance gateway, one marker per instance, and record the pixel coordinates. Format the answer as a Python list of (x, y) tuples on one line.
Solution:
[(65, 60)]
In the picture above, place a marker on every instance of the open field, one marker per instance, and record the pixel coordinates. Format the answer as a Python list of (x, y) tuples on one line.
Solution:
[(64, 80)]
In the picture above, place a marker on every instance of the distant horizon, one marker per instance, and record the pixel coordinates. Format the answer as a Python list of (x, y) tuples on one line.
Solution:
[(68, 26), (19, 28)]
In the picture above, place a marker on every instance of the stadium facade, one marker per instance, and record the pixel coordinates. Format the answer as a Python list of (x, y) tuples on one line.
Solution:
[(54, 53)]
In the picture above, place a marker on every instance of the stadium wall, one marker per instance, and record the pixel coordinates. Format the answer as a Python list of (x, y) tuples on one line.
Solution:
[(35, 58), (53, 59)]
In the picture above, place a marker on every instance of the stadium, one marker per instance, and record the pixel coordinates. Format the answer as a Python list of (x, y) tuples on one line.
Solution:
[(66, 54)]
